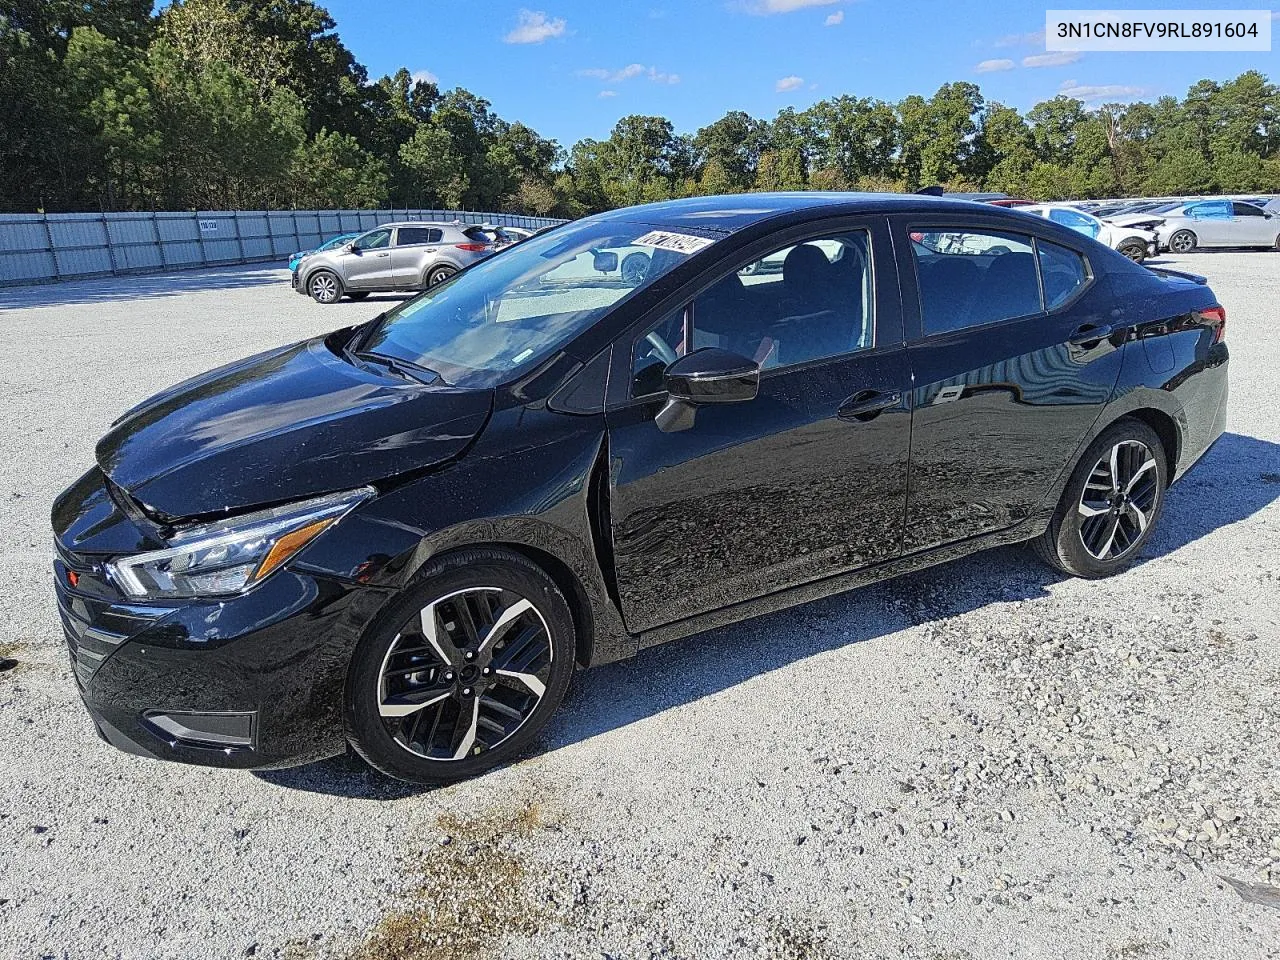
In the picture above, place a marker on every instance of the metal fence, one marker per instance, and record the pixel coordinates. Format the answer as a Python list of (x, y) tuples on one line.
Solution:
[(37, 248)]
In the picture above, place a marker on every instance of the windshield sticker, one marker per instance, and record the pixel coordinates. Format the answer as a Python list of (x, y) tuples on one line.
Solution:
[(679, 242)]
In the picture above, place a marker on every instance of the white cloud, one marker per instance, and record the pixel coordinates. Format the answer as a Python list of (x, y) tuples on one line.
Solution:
[(789, 83), (991, 66), (1059, 59), (534, 26), (1088, 93), (424, 76), (607, 93), (630, 72), (768, 7), (834, 19), (1020, 39)]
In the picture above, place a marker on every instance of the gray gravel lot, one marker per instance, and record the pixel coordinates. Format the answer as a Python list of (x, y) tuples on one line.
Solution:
[(980, 760)]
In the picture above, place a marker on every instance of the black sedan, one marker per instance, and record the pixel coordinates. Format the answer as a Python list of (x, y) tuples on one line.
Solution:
[(406, 536)]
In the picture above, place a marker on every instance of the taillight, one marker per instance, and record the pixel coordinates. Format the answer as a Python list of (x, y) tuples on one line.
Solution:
[(472, 247), (1217, 316)]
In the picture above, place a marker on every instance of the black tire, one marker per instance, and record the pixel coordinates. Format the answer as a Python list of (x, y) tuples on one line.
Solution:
[(439, 275), (1182, 241), (325, 287), (1137, 252), (1079, 518), (487, 582), (358, 294)]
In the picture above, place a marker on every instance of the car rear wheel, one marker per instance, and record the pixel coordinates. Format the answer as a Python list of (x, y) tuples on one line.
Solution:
[(1111, 504), (324, 287), (463, 670), (1184, 241), (357, 294), (1134, 250), (439, 275)]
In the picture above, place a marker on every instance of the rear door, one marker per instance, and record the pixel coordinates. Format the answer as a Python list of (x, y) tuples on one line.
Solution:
[(1008, 377), (1212, 223), (369, 267), (803, 482), (414, 248)]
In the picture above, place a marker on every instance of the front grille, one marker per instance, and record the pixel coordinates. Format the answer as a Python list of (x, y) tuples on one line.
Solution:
[(94, 627)]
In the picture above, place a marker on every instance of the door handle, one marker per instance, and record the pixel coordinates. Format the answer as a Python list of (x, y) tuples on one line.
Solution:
[(382, 254), (1090, 333), (867, 404)]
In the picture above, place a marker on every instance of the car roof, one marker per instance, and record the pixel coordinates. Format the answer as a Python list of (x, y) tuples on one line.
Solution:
[(729, 214), (423, 223)]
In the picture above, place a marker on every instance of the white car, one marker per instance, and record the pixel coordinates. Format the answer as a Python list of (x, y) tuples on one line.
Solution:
[(1215, 222), (1134, 242)]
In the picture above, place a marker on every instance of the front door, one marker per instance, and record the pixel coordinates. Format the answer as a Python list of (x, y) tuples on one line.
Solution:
[(805, 481), (1007, 379), (369, 266)]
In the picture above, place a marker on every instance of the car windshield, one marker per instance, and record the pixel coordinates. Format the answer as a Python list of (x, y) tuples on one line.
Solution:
[(512, 311)]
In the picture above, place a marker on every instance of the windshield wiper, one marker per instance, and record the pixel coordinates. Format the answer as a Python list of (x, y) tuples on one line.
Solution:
[(406, 369)]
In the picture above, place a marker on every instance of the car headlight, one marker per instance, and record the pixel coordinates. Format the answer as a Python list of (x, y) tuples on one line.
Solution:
[(229, 556)]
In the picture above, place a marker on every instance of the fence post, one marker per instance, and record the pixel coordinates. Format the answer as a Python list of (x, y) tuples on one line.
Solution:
[(204, 254), (53, 254), (155, 228), (111, 250), (235, 218)]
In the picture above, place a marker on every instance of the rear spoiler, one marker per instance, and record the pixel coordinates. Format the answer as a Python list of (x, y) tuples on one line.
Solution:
[(1178, 274)]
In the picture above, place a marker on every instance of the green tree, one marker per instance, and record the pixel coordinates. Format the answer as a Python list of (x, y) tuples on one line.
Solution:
[(782, 170), (332, 171)]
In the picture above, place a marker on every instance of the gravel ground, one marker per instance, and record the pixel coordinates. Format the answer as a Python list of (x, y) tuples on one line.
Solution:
[(980, 760)]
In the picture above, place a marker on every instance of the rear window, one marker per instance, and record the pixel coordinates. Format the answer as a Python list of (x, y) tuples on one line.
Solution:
[(1062, 271), (409, 236), (974, 277), (477, 235)]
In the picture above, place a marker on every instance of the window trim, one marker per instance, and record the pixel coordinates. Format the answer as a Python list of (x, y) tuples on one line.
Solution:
[(910, 227), (691, 320)]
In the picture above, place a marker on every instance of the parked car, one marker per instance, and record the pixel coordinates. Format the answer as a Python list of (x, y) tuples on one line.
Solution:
[(1010, 202), (1134, 243), (407, 534), (330, 244), (1185, 226), (395, 256)]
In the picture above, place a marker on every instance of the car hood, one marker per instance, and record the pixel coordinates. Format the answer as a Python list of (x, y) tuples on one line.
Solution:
[(283, 425), (1131, 218)]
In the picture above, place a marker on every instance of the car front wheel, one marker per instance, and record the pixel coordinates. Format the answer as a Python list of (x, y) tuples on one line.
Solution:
[(463, 670), (1111, 504), (324, 287), (1135, 251), (1184, 241)]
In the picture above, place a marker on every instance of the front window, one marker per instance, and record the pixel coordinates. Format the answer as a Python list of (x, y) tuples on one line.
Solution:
[(374, 239), (512, 311)]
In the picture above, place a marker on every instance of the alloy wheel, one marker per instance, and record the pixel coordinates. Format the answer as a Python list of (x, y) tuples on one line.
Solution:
[(465, 674), (1119, 500), (324, 288), (1182, 242)]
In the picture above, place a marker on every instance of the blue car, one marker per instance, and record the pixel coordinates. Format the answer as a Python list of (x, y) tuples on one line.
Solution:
[(327, 245)]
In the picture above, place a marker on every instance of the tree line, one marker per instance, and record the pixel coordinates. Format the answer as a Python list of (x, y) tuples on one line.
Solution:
[(251, 104)]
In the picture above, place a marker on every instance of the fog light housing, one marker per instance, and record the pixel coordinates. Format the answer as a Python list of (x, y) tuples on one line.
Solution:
[(220, 731)]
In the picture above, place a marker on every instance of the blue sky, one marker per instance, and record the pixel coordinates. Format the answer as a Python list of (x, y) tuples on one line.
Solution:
[(571, 68)]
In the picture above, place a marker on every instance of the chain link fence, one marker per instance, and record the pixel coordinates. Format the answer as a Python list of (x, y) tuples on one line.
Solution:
[(41, 248)]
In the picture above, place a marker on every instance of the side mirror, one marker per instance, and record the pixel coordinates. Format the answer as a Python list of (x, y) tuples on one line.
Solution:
[(353, 247), (709, 375), (604, 262)]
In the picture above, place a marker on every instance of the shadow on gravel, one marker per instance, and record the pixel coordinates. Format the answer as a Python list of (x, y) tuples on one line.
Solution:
[(141, 286), (1236, 479), (152, 285)]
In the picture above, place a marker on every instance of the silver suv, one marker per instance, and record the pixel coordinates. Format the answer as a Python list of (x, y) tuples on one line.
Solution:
[(395, 256)]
